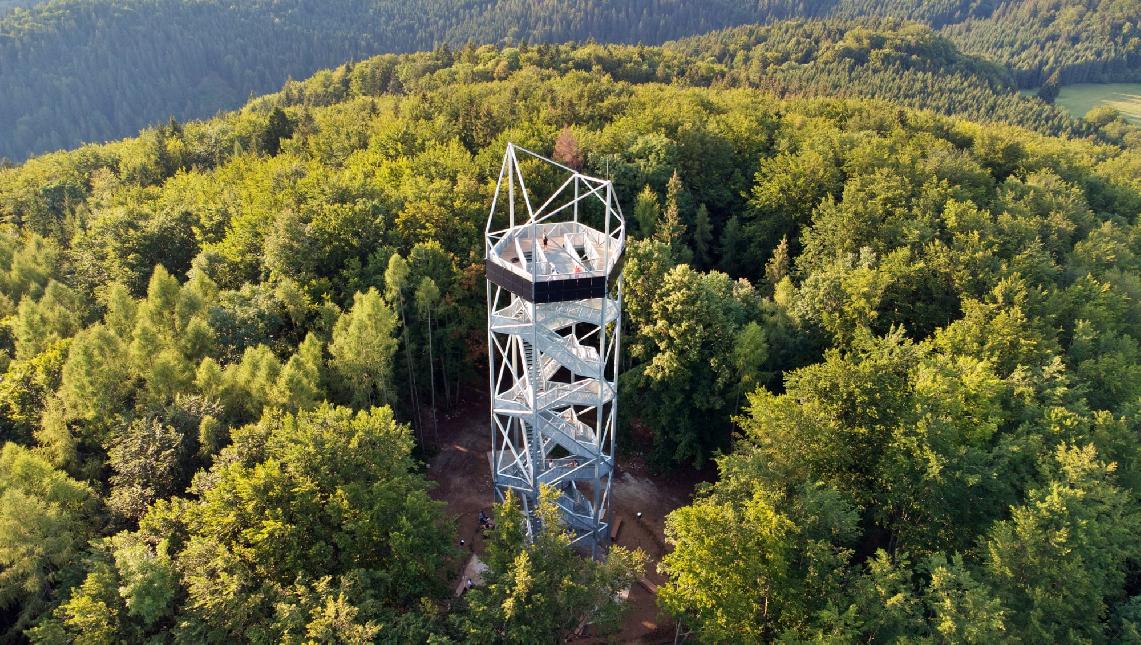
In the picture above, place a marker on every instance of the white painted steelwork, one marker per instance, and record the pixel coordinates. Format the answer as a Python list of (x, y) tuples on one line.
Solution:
[(554, 313)]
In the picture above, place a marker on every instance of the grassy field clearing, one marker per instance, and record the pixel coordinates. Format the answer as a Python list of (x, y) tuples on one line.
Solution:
[(1126, 97)]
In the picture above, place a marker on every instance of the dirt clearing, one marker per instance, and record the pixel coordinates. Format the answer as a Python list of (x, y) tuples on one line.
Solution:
[(463, 481)]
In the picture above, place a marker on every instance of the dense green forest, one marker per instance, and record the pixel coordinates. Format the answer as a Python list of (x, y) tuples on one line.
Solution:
[(8, 5), (911, 343), (904, 63), (73, 71), (1071, 42)]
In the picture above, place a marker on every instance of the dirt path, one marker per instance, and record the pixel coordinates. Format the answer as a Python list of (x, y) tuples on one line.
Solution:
[(463, 481)]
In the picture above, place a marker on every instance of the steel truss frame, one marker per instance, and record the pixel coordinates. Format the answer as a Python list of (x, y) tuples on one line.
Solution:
[(553, 364)]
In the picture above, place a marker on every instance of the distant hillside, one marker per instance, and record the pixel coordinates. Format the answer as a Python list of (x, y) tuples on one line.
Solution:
[(1077, 42), (86, 70), (905, 63), (8, 5)]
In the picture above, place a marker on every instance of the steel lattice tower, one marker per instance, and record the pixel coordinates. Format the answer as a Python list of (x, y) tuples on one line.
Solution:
[(554, 242)]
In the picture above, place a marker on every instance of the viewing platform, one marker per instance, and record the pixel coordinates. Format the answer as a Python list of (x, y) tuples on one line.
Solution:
[(543, 260)]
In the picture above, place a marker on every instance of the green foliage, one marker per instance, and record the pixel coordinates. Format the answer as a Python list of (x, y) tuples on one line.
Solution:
[(299, 386), (1064, 553), (25, 390), (96, 380), (949, 70), (727, 584), (692, 378), (538, 592), (58, 314), (362, 349), (917, 356), (647, 212), (780, 559), (310, 524), (1042, 40), (146, 456), (45, 521), (253, 47), (312, 482), (128, 592), (702, 237), (669, 228)]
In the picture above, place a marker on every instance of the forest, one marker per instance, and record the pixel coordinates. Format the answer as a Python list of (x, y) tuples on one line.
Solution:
[(76, 71), (909, 342), (8, 5)]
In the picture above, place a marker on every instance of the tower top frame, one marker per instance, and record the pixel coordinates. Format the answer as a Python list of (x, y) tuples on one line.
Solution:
[(568, 246)]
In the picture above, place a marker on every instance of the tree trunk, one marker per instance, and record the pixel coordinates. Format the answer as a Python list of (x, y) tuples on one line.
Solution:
[(411, 376), (432, 376)]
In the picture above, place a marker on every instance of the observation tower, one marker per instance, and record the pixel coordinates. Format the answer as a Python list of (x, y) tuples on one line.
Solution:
[(554, 242)]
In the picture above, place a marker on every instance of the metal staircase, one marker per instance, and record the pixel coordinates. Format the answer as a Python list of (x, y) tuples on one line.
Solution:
[(554, 317)]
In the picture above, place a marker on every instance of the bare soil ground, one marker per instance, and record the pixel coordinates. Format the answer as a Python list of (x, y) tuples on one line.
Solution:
[(463, 481)]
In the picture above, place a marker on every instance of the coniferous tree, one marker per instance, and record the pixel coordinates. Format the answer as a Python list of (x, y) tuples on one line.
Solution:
[(647, 212), (702, 237), (779, 263), (363, 347), (669, 228)]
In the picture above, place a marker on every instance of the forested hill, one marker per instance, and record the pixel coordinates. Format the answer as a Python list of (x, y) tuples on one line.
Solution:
[(913, 339), (1074, 42), (84, 70), (8, 5), (905, 63)]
